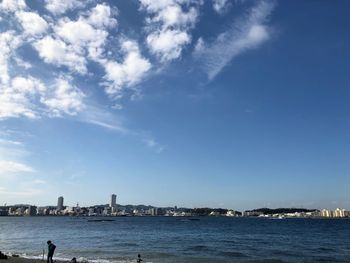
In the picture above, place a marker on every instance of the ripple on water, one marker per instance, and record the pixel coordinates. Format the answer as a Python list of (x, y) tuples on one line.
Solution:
[(232, 254), (198, 248)]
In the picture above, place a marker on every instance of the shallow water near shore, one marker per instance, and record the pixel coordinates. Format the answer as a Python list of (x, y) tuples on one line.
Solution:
[(171, 239)]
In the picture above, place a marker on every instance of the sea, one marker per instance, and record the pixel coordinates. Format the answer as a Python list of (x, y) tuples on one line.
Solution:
[(178, 239)]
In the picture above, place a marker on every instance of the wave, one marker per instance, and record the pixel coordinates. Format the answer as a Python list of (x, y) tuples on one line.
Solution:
[(82, 259)]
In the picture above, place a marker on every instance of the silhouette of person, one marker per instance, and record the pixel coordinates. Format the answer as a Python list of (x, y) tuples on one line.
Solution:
[(139, 258), (50, 251)]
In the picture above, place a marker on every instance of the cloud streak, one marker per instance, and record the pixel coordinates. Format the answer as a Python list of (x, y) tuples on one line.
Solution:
[(246, 33), (9, 167)]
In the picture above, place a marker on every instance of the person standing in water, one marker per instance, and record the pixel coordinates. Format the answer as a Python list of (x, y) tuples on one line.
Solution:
[(139, 258), (50, 251)]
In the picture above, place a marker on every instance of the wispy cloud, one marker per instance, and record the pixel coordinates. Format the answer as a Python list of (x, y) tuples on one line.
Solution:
[(103, 118), (9, 142), (7, 167), (221, 6), (25, 193), (154, 145), (111, 121), (246, 33), (12, 156)]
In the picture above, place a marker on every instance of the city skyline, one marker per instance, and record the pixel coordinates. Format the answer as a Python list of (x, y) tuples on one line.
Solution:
[(114, 209), (113, 206), (235, 104)]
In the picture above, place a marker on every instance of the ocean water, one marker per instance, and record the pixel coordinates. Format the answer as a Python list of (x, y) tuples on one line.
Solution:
[(171, 239)]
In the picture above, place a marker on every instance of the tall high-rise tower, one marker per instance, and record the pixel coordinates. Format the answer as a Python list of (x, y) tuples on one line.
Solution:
[(113, 203), (60, 203)]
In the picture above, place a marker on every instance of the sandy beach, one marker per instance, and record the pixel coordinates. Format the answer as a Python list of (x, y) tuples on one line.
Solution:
[(25, 260)]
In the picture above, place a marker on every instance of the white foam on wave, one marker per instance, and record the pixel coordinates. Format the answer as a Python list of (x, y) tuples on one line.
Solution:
[(80, 260)]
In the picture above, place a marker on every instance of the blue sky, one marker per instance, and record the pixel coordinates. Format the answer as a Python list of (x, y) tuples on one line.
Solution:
[(236, 104)]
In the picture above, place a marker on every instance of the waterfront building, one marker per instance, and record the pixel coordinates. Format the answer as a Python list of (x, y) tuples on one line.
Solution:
[(107, 211), (252, 213), (339, 212), (232, 213), (3, 211), (46, 211), (31, 211), (60, 203), (326, 213), (137, 212), (91, 212), (154, 211), (69, 210)]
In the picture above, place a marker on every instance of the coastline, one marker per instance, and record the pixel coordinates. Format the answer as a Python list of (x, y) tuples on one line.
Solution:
[(27, 260)]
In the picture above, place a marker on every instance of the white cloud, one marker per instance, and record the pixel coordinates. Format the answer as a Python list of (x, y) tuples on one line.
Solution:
[(78, 32), (59, 7), (12, 5), (101, 16), (83, 37), (247, 33), (76, 42), (21, 63), (173, 15), (64, 97), (168, 44), (17, 99), (29, 97), (221, 6), (9, 142), (32, 23), (154, 145), (9, 41), (13, 167), (128, 73), (30, 85), (57, 52), (156, 6), (168, 24)]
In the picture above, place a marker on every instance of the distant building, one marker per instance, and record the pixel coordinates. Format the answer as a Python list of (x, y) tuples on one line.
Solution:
[(232, 213), (113, 204), (31, 211), (60, 203), (326, 213), (3, 211), (154, 211), (252, 213), (339, 212), (107, 211)]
